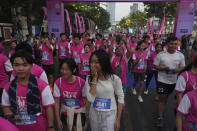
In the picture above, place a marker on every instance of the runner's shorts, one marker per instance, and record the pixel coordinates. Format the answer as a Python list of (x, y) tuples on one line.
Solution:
[(163, 88)]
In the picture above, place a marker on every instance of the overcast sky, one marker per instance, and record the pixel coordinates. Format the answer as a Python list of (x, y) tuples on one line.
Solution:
[(122, 10)]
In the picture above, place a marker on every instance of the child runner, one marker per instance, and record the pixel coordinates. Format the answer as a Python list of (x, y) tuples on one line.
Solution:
[(101, 88), (27, 99), (168, 63), (76, 50), (84, 58), (36, 69), (68, 92), (5, 68), (186, 119), (47, 58), (140, 65), (151, 69), (12, 49), (62, 50), (119, 61), (98, 41)]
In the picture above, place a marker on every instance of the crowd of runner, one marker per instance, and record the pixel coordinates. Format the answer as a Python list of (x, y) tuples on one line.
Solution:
[(92, 80)]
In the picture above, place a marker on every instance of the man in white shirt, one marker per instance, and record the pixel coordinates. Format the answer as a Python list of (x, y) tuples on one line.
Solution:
[(168, 63)]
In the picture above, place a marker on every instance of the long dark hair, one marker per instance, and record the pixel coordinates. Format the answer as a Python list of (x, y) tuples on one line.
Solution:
[(192, 64), (104, 61)]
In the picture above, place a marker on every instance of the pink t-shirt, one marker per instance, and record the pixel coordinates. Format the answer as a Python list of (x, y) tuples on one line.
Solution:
[(92, 48), (5, 125), (12, 51), (98, 43), (76, 51), (84, 58), (62, 48), (188, 109), (140, 66), (84, 42), (70, 92), (40, 123), (132, 47), (5, 66), (152, 47), (37, 71), (186, 82), (115, 60), (151, 60), (47, 55)]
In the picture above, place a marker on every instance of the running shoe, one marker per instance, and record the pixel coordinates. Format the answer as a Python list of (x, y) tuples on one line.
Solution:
[(146, 92), (140, 99), (134, 91), (160, 122)]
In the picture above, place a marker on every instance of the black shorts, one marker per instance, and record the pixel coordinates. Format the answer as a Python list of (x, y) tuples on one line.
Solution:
[(163, 88), (139, 76), (49, 69), (83, 119)]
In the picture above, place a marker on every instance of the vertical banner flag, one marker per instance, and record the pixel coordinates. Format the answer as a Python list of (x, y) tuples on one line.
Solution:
[(136, 28), (76, 22), (89, 26), (161, 26), (83, 24), (79, 23), (45, 10), (148, 26), (68, 21), (152, 32)]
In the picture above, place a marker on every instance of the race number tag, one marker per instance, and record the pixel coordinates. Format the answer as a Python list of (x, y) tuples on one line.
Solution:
[(77, 60), (25, 119), (71, 102), (45, 57), (85, 68), (62, 53), (140, 65), (102, 103)]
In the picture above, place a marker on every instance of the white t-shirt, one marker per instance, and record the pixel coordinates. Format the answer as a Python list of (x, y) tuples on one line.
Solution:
[(107, 90), (173, 61)]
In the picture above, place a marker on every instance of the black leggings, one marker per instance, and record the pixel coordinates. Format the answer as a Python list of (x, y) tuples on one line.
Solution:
[(150, 74)]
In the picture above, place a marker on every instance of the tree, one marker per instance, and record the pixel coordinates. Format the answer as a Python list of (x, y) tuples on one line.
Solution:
[(158, 9), (90, 10)]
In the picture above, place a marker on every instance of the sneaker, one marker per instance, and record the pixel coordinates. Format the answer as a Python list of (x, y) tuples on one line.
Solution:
[(134, 91), (140, 99), (160, 122), (146, 92)]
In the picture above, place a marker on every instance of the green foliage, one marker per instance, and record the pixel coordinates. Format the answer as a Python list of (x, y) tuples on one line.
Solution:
[(90, 10), (159, 8), (130, 20)]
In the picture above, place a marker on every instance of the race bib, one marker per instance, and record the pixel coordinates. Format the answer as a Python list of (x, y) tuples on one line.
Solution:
[(45, 57), (85, 68), (102, 103), (25, 119), (62, 53), (71, 102), (140, 65), (77, 60)]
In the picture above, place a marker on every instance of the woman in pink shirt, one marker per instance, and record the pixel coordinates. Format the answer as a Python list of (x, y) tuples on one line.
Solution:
[(119, 60), (98, 41), (84, 58), (27, 100), (140, 65), (90, 42), (68, 92)]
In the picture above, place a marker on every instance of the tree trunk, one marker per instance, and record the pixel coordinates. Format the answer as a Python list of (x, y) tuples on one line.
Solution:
[(29, 15)]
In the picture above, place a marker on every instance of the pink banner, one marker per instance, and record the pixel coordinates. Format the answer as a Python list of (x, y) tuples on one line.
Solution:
[(45, 10), (89, 26), (79, 23), (148, 26), (83, 24), (68, 21), (152, 31), (161, 26), (76, 23)]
